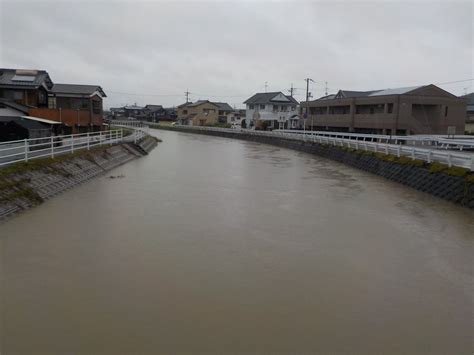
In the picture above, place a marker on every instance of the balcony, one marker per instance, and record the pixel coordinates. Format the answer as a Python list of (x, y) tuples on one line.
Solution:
[(68, 117)]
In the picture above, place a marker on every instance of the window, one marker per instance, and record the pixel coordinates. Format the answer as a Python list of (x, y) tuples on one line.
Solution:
[(390, 108), (251, 107), (185, 112), (446, 111), (262, 107), (275, 108), (96, 107), (283, 108), (51, 102)]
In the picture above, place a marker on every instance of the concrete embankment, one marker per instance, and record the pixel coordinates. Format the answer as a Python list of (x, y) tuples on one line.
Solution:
[(28, 184), (452, 184)]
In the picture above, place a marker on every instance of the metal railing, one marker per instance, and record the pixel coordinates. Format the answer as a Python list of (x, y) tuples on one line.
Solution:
[(375, 144), (49, 147), (459, 142)]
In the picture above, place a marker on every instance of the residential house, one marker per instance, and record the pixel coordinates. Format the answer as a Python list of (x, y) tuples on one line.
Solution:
[(202, 112), (270, 110), (136, 112), (154, 113), (236, 117), (469, 98), (414, 110), (224, 110), (170, 114), (77, 107), (25, 87)]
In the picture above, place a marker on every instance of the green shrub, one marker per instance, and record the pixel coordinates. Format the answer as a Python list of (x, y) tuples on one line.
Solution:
[(437, 167)]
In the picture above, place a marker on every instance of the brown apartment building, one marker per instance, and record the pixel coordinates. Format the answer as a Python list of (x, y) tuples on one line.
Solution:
[(414, 110), (203, 112)]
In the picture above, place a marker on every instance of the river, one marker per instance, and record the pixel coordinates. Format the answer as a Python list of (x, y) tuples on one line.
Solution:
[(214, 245)]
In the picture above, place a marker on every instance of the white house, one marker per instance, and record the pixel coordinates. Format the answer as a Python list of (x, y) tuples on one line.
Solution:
[(271, 109), (235, 117)]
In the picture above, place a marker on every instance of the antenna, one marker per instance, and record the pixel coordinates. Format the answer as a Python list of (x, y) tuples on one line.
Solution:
[(266, 86), (187, 95), (326, 88)]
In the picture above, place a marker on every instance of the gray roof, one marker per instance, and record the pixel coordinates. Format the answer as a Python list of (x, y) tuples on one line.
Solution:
[(154, 107), (397, 91), (200, 102), (221, 105), (14, 105), (266, 98), (23, 78), (327, 97), (344, 94), (224, 106), (76, 90), (133, 107)]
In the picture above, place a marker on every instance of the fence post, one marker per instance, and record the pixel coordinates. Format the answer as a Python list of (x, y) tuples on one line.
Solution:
[(100, 137), (413, 153), (429, 156), (472, 163), (52, 147), (72, 144), (449, 159), (88, 141), (26, 149)]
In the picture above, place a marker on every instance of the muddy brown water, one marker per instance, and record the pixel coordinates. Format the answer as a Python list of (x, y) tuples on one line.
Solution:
[(213, 245)]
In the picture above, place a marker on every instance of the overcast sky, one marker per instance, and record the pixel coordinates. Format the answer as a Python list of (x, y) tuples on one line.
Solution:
[(153, 51)]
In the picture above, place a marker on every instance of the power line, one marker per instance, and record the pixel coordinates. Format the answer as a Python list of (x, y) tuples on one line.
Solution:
[(211, 95), (453, 82)]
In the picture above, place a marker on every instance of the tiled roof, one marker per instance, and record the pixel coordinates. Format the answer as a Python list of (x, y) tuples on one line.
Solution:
[(224, 106), (75, 89), (266, 98), (22, 78)]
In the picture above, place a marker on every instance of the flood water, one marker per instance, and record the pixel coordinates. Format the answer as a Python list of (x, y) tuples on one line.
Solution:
[(213, 245)]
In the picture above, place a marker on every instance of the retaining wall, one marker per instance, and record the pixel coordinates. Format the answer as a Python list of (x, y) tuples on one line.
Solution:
[(415, 174), (25, 185)]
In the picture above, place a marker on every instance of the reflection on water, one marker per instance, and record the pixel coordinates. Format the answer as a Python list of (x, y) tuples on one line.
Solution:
[(216, 245)]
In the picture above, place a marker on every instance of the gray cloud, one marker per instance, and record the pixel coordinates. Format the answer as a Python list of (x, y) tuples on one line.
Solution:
[(227, 50)]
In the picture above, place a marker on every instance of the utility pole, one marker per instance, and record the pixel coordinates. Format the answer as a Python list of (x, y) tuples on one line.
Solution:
[(308, 95), (187, 95), (292, 89)]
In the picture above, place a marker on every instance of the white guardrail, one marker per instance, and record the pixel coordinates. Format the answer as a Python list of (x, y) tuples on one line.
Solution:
[(49, 147), (372, 143)]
